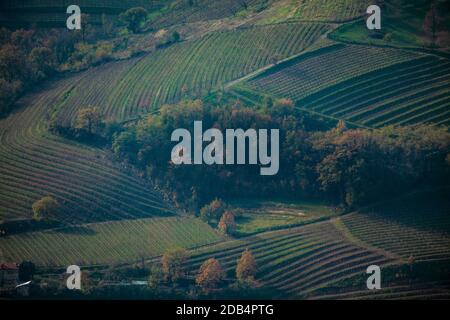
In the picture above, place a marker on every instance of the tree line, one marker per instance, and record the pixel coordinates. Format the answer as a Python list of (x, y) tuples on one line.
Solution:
[(29, 56), (350, 167)]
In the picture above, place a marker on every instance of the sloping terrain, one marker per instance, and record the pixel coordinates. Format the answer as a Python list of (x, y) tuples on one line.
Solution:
[(298, 260), (107, 243), (191, 68), (53, 13), (35, 163)]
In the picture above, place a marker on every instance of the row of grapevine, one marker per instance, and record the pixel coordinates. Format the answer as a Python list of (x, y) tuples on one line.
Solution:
[(405, 237), (401, 290), (317, 70), (408, 93), (296, 261), (408, 226), (107, 243), (35, 163), (126, 89)]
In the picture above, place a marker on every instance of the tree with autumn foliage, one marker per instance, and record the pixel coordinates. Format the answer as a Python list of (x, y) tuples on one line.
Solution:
[(213, 210), (172, 263), (46, 208), (246, 268), (210, 275), (227, 225), (88, 119)]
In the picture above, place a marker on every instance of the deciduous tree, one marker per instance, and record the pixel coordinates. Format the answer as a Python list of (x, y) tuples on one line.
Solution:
[(134, 17), (214, 210), (172, 264), (210, 275), (227, 224), (246, 267), (88, 119), (45, 208)]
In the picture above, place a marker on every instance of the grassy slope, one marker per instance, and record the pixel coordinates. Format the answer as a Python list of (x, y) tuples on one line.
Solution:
[(257, 216), (315, 10), (402, 26), (107, 243)]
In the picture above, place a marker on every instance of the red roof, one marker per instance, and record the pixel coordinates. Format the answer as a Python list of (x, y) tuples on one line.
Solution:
[(8, 266)]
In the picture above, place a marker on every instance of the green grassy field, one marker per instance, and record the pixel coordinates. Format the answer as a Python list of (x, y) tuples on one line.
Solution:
[(107, 243), (315, 10), (258, 216), (402, 26)]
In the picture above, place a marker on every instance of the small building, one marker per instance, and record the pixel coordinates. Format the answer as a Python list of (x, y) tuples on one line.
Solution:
[(9, 275)]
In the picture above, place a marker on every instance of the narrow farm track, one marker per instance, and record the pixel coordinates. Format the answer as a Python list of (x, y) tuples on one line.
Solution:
[(35, 163)]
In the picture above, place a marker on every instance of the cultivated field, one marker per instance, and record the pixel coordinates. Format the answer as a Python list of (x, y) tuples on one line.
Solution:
[(322, 68), (374, 88), (420, 231), (35, 163), (107, 243), (298, 260), (316, 10), (53, 13), (191, 68)]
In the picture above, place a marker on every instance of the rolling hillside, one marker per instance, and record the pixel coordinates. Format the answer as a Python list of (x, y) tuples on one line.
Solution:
[(406, 227), (298, 260), (35, 163), (112, 214), (191, 68), (367, 86)]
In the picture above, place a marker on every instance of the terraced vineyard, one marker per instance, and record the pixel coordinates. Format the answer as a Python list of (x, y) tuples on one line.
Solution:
[(34, 164), (322, 68), (201, 10), (107, 243), (126, 89), (413, 92), (421, 231), (299, 260), (386, 87)]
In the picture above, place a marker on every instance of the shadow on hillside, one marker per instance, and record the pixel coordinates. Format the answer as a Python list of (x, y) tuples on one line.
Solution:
[(77, 230)]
